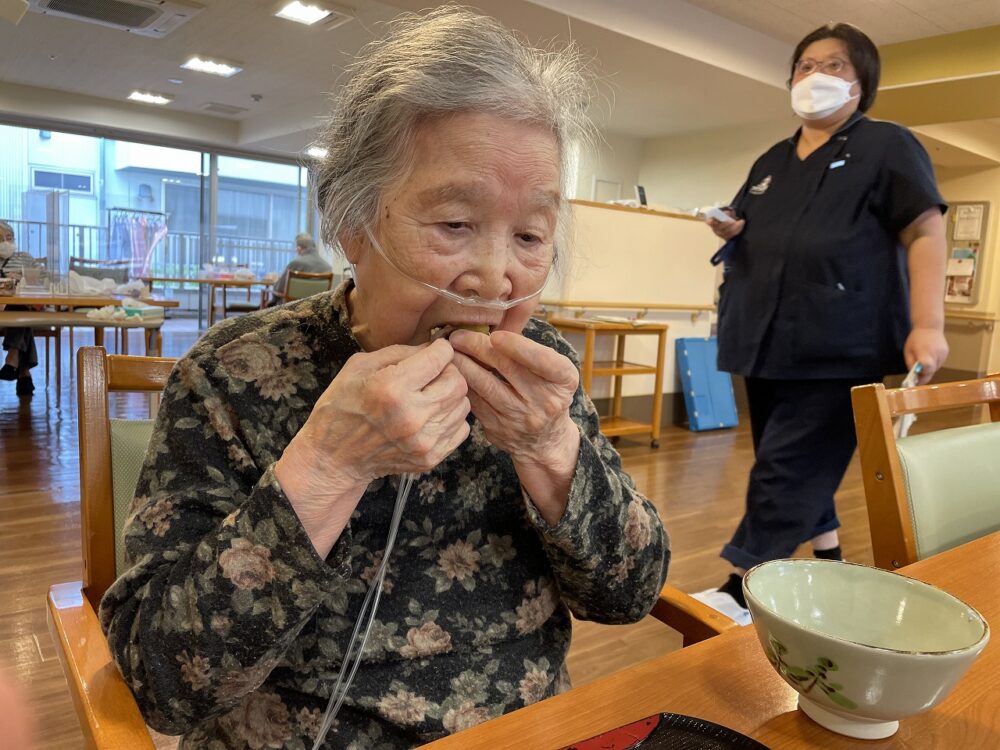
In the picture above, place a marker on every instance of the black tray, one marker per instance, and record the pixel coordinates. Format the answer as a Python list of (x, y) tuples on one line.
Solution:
[(669, 732)]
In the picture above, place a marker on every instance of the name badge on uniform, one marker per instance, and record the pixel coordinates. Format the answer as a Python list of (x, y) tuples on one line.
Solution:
[(837, 164), (761, 187)]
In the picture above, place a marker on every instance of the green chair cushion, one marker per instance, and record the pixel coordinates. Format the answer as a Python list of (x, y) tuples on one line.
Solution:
[(300, 288), (952, 482), (129, 441)]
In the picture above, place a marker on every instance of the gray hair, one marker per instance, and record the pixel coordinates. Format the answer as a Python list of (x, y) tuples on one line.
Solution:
[(449, 60), (305, 241)]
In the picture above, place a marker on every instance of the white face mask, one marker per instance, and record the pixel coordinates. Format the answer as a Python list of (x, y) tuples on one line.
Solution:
[(820, 95), (7, 249)]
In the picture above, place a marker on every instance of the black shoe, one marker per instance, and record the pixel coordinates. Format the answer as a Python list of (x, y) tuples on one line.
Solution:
[(8, 372), (24, 386)]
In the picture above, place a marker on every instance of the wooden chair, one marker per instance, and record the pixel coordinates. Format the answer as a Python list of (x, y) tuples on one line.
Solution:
[(928, 492), (303, 284), (242, 306), (51, 333), (117, 270), (111, 453), (691, 618)]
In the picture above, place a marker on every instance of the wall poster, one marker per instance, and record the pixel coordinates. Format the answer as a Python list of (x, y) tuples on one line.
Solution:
[(966, 235)]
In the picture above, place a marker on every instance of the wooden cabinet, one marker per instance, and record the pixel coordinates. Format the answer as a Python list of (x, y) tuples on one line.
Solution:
[(614, 424)]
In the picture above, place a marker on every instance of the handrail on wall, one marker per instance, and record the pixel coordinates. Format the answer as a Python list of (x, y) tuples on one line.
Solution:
[(985, 320), (642, 308)]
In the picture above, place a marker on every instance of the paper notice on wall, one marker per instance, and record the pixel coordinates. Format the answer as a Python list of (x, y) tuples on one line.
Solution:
[(961, 267), (968, 222)]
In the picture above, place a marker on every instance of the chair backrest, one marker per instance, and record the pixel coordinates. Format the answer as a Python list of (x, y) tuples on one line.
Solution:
[(111, 455), (304, 284), (116, 270), (929, 492)]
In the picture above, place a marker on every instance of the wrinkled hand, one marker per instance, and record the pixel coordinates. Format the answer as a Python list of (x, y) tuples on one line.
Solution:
[(528, 415), (525, 411), (927, 346), (727, 229), (399, 409)]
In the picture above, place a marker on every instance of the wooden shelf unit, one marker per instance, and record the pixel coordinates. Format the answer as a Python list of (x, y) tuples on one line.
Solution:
[(614, 424)]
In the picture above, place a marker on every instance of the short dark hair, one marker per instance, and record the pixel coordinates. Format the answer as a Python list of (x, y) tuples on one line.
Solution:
[(862, 51)]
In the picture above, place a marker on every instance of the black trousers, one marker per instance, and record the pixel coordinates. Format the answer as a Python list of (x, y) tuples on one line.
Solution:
[(23, 340), (803, 439)]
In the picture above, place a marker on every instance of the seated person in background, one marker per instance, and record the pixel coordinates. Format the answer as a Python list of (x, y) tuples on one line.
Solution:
[(307, 260), (262, 511), (19, 343)]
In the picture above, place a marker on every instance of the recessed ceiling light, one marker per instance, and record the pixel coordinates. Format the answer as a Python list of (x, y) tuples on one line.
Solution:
[(316, 152), (147, 97), (175, 81), (302, 13), (215, 67)]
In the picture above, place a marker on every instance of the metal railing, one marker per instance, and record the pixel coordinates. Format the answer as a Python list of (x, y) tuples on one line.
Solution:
[(179, 254)]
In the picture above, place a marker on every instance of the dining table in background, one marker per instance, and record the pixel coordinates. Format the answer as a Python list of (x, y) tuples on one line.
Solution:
[(212, 284), (728, 680), (74, 301)]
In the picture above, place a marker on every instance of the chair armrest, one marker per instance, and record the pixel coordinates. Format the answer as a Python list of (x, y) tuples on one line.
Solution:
[(108, 713), (691, 618)]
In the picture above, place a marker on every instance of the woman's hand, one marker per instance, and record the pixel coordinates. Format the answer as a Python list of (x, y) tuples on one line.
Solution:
[(727, 229), (927, 346), (521, 392), (399, 409)]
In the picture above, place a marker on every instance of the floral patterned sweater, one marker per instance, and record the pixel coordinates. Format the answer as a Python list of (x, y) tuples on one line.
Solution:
[(230, 629)]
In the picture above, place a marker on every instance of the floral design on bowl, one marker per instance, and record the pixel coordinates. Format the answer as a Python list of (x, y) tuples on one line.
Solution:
[(805, 679)]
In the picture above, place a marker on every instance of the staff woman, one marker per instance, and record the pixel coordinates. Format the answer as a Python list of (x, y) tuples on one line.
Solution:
[(834, 276)]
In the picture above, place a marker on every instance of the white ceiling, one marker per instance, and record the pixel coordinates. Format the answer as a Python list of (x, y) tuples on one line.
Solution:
[(885, 21), (290, 65), (667, 66)]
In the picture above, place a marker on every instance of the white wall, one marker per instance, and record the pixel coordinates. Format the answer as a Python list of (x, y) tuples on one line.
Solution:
[(617, 158), (698, 169), (633, 256)]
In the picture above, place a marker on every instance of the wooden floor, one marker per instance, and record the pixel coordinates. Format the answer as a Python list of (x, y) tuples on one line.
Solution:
[(697, 482)]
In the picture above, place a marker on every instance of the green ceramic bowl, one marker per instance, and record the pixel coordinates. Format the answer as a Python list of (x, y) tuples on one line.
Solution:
[(862, 646)]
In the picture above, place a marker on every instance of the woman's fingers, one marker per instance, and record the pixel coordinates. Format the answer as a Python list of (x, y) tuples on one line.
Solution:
[(519, 360)]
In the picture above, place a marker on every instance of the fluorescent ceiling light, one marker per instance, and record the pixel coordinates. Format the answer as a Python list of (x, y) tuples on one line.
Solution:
[(302, 13), (215, 67), (315, 152), (147, 97)]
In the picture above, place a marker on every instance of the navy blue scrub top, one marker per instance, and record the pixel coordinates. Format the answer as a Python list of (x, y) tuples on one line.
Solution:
[(816, 285)]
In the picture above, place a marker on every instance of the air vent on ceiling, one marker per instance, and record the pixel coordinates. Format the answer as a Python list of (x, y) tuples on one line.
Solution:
[(223, 109), (338, 17), (155, 18)]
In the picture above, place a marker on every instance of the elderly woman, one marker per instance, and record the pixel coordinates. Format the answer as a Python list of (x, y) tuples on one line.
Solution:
[(19, 343), (263, 509)]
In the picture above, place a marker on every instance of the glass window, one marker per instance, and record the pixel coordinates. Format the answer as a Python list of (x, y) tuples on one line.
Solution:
[(182, 204), (243, 213), (62, 181), (78, 196)]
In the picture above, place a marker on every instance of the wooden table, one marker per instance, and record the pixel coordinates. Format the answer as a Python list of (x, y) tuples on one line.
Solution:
[(73, 301), (614, 423), (728, 680)]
